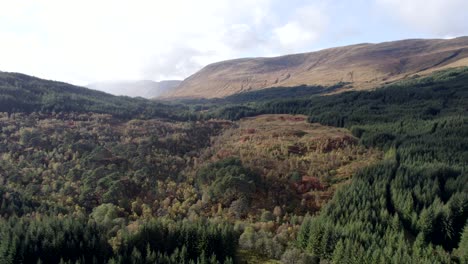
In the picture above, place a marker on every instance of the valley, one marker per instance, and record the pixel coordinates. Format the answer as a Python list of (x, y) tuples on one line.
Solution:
[(144, 88), (234, 132), (278, 175)]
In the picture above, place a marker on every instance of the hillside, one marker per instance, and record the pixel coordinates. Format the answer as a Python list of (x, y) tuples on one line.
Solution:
[(145, 88), (298, 162), (363, 66), (23, 93), (372, 176)]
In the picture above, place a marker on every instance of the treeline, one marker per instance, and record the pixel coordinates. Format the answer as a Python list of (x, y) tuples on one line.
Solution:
[(443, 93), (75, 239), (303, 91)]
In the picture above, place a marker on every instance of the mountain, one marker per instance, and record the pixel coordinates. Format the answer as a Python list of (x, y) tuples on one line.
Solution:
[(24, 93), (363, 66), (145, 88)]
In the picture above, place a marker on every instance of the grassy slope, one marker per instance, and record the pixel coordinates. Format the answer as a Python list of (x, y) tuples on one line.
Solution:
[(364, 65)]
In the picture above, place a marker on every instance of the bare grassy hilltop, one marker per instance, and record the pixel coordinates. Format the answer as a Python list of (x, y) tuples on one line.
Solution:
[(363, 66)]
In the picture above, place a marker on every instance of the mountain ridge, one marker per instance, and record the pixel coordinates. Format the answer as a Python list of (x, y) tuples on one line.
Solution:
[(363, 65), (24, 93)]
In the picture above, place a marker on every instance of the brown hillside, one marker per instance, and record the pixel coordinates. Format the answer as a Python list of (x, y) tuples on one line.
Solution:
[(365, 66)]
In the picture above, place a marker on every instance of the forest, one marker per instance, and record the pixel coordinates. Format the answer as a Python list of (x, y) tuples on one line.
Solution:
[(281, 175), (27, 94)]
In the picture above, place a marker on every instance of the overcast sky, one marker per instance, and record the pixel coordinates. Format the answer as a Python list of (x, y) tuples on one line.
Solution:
[(96, 40)]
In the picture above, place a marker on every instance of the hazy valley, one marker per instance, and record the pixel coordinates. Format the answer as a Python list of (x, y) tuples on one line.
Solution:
[(146, 89)]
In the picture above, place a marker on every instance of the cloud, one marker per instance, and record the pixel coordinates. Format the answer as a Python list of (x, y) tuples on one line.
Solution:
[(87, 41), (441, 18), (174, 63), (306, 27), (241, 37)]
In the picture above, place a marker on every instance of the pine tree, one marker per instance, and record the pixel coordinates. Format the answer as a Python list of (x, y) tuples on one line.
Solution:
[(339, 253), (304, 232), (425, 222), (418, 246), (462, 250), (315, 238)]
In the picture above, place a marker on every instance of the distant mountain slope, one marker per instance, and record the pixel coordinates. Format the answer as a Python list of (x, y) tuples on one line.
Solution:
[(363, 65), (23, 93), (145, 88)]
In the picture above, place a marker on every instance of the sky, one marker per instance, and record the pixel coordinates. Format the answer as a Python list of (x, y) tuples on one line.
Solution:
[(88, 41)]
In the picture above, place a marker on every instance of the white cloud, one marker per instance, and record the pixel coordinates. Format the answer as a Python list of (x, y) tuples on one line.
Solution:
[(293, 34), (440, 18), (87, 41), (306, 27)]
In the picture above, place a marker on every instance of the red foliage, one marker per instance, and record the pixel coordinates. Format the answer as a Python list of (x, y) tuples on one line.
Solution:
[(250, 131), (309, 183), (337, 143), (222, 154)]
